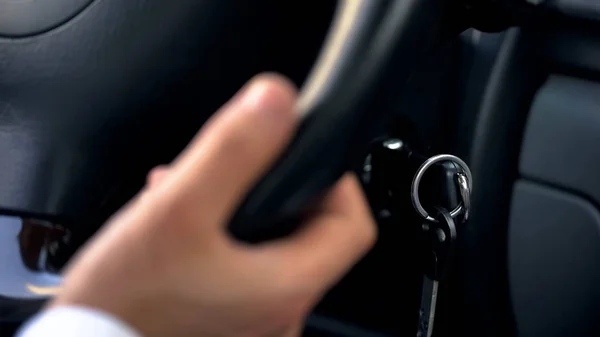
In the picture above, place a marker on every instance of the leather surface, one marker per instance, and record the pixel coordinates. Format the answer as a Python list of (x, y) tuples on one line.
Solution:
[(563, 120), (553, 261), (555, 207)]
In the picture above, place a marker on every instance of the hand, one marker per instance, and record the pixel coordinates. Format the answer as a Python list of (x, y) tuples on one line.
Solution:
[(166, 264)]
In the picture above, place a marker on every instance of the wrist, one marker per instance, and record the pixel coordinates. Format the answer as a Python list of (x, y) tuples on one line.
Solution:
[(114, 284), (135, 313)]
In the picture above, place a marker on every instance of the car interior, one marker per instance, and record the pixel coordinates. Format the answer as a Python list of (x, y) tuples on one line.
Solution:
[(94, 93)]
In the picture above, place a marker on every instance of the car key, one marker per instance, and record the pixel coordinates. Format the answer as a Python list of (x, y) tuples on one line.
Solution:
[(428, 301), (439, 240)]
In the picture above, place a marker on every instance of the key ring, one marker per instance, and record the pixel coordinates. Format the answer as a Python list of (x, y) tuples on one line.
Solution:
[(465, 194), (465, 184)]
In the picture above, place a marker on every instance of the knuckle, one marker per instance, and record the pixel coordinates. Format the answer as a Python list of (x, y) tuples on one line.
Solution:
[(293, 309), (238, 143), (299, 280), (367, 233)]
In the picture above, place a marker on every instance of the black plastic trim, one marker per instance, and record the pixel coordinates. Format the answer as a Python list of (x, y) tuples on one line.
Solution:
[(318, 325), (483, 299), (22, 19)]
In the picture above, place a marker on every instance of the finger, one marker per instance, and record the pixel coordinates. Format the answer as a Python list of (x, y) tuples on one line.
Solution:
[(333, 241), (234, 150)]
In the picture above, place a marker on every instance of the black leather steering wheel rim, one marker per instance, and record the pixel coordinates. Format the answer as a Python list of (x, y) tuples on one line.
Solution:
[(383, 41)]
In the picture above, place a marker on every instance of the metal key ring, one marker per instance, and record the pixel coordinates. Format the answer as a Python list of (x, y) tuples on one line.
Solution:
[(465, 194), (465, 204)]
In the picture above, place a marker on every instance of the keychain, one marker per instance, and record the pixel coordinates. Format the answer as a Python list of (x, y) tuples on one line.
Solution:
[(439, 237)]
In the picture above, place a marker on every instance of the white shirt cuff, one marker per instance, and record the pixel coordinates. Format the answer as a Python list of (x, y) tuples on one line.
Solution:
[(75, 322)]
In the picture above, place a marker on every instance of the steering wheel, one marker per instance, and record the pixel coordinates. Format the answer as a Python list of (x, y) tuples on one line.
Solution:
[(75, 76)]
